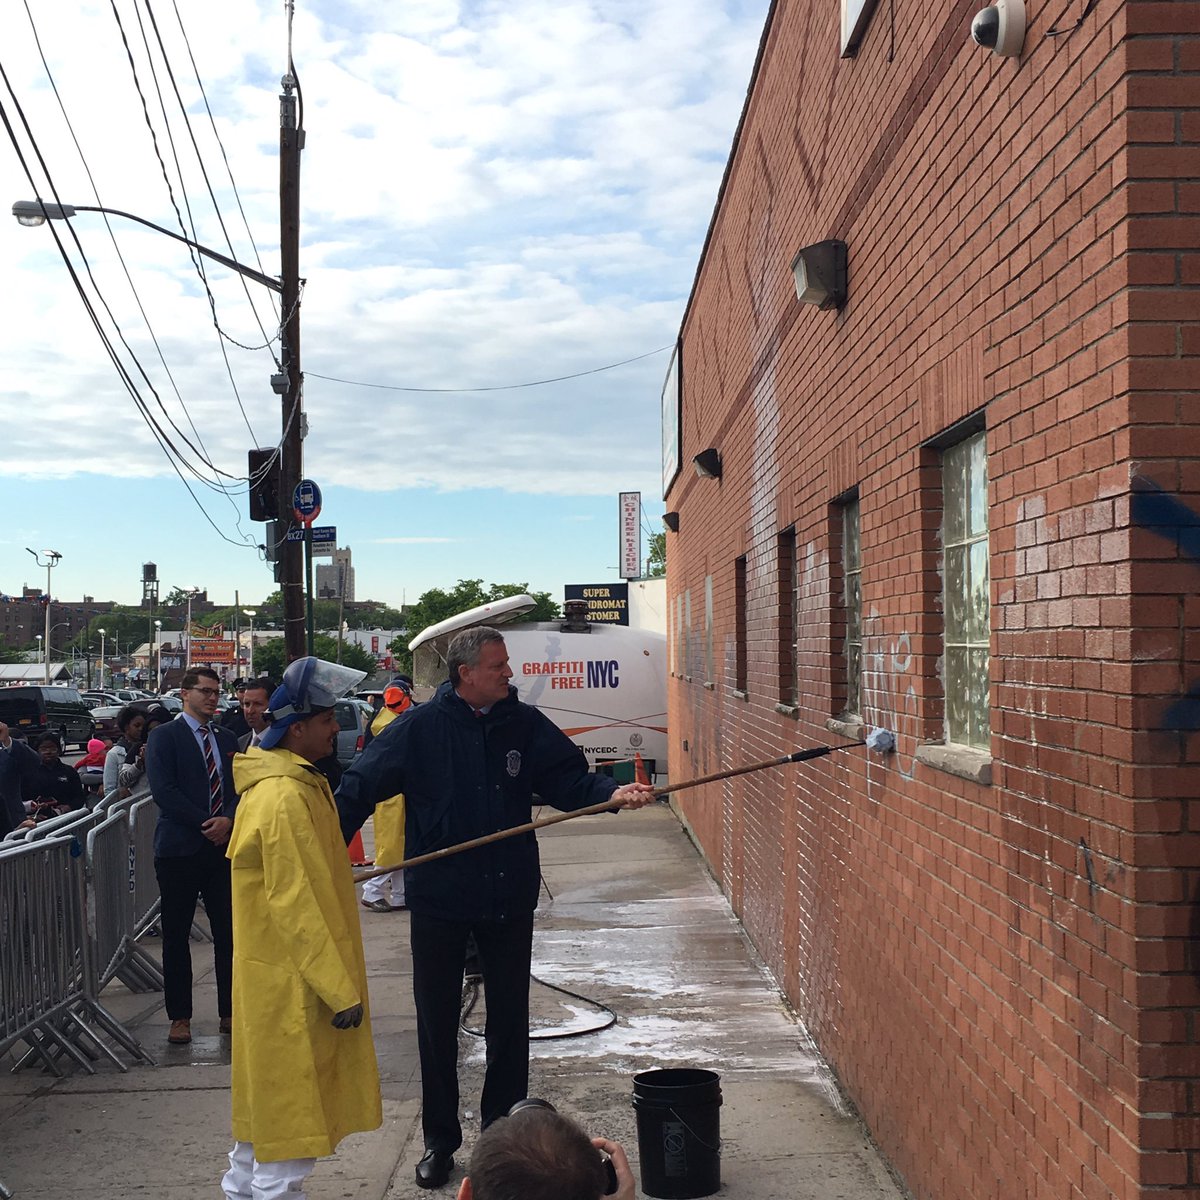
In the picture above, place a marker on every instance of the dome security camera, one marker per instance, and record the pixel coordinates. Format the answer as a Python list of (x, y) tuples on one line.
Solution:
[(1001, 27)]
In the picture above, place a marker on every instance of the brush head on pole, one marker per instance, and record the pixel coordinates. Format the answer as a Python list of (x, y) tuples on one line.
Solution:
[(881, 741)]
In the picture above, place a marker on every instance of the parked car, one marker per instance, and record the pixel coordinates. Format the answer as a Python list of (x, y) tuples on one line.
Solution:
[(352, 729), (94, 698), (105, 720), (30, 710)]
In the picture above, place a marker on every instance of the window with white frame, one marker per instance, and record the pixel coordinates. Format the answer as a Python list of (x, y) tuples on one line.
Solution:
[(740, 672), (709, 673), (789, 617), (852, 599), (855, 15), (966, 593)]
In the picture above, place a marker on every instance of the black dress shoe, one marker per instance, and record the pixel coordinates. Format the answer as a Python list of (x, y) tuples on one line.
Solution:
[(433, 1171)]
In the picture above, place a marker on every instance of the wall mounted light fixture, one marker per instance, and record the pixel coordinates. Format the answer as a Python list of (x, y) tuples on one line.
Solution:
[(708, 464), (671, 521), (820, 274)]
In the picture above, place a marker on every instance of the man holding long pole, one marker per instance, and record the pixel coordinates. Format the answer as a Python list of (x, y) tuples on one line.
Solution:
[(469, 763)]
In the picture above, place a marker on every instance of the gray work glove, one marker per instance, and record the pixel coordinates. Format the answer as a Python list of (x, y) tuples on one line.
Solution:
[(348, 1018)]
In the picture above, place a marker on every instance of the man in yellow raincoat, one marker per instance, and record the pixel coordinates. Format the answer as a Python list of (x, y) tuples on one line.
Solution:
[(304, 1070), (389, 816)]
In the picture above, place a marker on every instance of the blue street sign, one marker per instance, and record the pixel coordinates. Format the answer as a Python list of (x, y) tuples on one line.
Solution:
[(306, 501)]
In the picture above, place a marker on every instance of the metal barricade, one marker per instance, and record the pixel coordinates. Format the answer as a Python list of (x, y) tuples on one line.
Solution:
[(48, 989), (76, 822), (143, 818), (111, 871)]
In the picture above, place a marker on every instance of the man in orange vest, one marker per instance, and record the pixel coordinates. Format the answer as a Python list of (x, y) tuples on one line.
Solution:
[(389, 816)]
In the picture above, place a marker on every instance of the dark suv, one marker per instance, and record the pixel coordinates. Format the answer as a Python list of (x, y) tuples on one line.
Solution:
[(30, 710)]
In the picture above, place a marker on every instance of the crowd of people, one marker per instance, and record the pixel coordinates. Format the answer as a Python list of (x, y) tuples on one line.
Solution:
[(254, 819)]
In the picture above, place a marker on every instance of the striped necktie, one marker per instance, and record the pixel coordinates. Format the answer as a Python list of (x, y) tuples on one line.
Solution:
[(214, 773)]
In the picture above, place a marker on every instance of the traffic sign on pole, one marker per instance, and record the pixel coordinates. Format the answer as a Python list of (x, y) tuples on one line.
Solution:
[(321, 533), (306, 502)]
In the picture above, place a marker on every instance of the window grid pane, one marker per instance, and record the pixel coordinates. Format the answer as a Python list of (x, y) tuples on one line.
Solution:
[(708, 629), (965, 573), (788, 617), (852, 570), (739, 600)]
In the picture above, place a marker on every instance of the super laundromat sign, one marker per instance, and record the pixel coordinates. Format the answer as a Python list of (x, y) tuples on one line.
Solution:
[(607, 603)]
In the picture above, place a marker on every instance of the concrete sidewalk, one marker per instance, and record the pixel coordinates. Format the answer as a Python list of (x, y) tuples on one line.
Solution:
[(631, 920)]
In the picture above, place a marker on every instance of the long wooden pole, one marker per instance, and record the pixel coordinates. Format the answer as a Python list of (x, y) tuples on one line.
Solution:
[(606, 806)]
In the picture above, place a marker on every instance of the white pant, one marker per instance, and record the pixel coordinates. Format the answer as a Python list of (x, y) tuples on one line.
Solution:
[(377, 888), (248, 1179)]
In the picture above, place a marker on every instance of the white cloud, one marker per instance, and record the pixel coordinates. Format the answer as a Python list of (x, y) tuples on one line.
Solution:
[(491, 193)]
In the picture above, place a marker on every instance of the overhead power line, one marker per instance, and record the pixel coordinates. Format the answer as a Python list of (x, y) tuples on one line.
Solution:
[(169, 449), (504, 387)]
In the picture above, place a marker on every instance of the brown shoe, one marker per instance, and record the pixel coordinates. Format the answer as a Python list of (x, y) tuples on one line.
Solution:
[(226, 1026), (181, 1033)]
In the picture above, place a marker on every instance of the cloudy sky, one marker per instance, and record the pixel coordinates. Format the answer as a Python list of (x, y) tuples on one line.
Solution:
[(492, 193)]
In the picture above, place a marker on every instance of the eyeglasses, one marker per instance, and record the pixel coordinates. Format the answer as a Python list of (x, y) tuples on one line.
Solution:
[(206, 691)]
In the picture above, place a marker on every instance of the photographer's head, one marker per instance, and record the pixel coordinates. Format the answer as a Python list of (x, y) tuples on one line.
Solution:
[(534, 1154)]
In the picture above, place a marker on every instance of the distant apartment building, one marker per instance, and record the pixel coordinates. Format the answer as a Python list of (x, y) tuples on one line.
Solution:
[(335, 580)]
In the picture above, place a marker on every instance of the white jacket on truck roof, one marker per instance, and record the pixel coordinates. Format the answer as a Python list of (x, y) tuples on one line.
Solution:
[(604, 686)]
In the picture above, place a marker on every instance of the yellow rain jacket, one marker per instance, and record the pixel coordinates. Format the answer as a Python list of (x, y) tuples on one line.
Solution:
[(389, 814), (299, 1084)]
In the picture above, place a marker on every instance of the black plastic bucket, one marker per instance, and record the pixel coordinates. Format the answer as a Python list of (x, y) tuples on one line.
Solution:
[(679, 1132)]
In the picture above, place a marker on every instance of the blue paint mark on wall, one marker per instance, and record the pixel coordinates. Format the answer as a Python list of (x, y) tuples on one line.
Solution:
[(1170, 518)]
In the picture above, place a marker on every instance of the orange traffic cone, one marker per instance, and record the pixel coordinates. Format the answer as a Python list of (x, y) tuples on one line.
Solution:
[(358, 856), (640, 774)]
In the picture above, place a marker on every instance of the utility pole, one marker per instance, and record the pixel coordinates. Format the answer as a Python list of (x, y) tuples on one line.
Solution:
[(291, 458)]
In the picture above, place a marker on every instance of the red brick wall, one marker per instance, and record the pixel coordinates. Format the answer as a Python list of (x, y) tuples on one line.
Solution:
[(999, 974)]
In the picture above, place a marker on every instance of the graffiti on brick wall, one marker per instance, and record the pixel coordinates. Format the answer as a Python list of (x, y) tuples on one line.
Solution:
[(1170, 518), (889, 690)]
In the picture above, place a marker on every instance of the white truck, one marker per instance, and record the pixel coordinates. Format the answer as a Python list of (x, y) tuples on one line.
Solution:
[(604, 686)]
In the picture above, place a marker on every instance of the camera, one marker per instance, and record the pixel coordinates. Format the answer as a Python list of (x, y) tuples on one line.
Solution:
[(1001, 27), (610, 1172)]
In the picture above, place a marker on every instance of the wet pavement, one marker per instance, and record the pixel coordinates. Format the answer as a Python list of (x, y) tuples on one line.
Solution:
[(629, 920)]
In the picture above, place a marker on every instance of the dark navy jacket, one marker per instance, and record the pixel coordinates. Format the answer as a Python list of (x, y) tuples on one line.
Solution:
[(463, 777), (15, 763), (179, 785)]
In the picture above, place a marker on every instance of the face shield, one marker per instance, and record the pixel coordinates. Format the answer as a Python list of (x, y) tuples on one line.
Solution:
[(309, 685)]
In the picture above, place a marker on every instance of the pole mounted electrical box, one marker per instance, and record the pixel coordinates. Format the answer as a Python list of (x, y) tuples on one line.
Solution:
[(263, 471)]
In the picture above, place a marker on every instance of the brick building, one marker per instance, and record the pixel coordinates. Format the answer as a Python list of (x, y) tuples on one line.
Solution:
[(961, 507), (23, 617)]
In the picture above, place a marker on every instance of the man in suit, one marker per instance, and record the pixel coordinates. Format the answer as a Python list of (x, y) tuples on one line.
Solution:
[(17, 759), (189, 763), (234, 717), (256, 696)]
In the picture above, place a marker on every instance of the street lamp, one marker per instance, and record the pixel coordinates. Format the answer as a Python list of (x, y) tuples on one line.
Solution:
[(251, 613), (101, 633), (38, 212), (41, 649), (187, 661), (52, 560), (156, 656), (289, 386)]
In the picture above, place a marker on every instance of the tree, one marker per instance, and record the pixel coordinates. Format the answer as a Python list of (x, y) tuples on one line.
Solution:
[(438, 605), (177, 596), (270, 657), (372, 614), (11, 654), (656, 564), (124, 626)]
